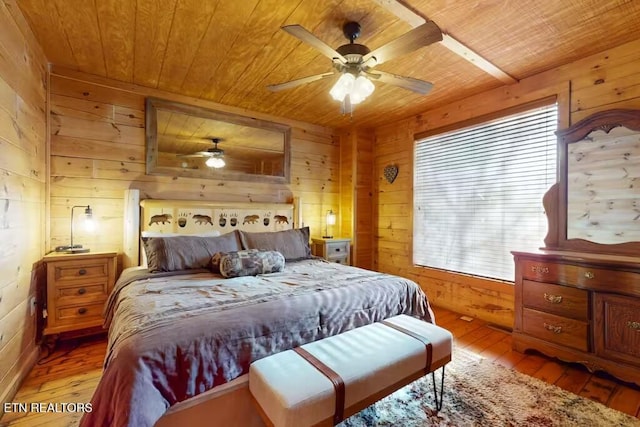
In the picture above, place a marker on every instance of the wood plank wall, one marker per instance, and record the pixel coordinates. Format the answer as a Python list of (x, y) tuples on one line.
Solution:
[(23, 98), (607, 80), (356, 196), (97, 151)]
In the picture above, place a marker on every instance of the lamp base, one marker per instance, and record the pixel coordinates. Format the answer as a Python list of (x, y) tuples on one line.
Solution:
[(79, 250), (327, 237), (75, 249)]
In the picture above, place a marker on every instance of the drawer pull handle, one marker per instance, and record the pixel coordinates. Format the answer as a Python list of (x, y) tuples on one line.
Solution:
[(540, 269), (634, 325), (82, 310), (82, 291), (82, 272), (551, 328), (337, 249), (553, 299), (589, 275)]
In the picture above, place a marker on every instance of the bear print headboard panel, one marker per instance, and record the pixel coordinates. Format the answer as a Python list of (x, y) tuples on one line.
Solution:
[(198, 217)]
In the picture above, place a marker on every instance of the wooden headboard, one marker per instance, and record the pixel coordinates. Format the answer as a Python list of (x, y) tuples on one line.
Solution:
[(199, 217)]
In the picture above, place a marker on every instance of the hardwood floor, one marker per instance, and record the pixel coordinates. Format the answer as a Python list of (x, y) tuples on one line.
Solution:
[(72, 372)]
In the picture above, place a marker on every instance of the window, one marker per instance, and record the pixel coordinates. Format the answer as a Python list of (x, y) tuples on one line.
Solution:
[(478, 193)]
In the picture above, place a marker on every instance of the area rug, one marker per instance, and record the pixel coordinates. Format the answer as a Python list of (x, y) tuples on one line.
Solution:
[(479, 392)]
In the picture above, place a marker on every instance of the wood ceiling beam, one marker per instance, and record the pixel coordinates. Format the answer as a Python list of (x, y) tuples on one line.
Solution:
[(413, 18)]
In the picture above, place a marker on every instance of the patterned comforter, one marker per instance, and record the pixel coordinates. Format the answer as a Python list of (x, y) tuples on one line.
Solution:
[(173, 336)]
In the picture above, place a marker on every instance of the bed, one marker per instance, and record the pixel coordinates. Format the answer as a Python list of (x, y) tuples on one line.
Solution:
[(181, 339)]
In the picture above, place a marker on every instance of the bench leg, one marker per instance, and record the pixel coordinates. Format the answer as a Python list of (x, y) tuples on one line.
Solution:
[(435, 390)]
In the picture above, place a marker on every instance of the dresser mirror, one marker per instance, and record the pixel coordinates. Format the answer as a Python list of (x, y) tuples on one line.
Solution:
[(595, 206), (182, 140)]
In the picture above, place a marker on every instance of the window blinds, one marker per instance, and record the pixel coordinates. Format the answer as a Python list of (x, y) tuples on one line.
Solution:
[(478, 193)]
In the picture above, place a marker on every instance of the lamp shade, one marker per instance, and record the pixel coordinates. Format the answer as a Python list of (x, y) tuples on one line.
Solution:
[(331, 218)]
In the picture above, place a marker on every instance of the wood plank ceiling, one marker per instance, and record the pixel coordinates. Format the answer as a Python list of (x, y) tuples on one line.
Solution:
[(228, 51)]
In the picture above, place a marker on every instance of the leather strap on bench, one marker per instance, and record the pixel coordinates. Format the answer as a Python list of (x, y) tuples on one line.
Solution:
[(338, 383), (422, 339)]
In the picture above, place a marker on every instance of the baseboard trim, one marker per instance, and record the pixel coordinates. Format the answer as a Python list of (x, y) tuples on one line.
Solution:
[(25, 365)]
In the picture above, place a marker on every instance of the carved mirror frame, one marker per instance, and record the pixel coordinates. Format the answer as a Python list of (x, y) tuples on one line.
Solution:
[(556, 199)]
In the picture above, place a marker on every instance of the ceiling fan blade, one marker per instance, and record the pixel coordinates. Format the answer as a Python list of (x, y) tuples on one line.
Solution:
[(298, 82), (421, 36), (415, 85), (306, 36)]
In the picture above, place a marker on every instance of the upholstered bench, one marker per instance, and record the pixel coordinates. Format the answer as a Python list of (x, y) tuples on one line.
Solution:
[(323, 382)]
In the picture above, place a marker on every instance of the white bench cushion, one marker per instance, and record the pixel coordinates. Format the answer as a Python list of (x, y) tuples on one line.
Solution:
[(292, 392)]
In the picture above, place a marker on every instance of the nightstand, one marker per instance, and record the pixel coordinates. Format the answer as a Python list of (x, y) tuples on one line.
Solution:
[(77, 288), (334, 250)]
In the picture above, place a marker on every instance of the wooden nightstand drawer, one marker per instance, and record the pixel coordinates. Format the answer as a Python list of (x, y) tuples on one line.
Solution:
[(333, 250), (342, 259), (556, 299), (337, 249), (85, 292), (556, 329), (79, 313), (74, 270)]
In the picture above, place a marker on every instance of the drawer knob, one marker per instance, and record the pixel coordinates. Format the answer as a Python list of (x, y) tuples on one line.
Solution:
[(589, 275), (82, 310), (82, 291), (82, 272), (552, 328), (634, 325), (553, 299)]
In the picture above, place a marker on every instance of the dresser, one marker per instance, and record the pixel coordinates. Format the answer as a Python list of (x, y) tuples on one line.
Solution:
[(580, 307), (333, 250), (77, 288)]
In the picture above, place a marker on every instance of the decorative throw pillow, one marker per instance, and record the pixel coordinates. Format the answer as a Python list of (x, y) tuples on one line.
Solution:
[(215, 260), (250, 263), (186, 252), (292, 244)]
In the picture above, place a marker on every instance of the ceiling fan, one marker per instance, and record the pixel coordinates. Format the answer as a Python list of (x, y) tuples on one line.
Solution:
[(355, 62), (214, 155)]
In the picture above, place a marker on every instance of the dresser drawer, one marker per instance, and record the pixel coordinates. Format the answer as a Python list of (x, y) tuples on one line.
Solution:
[(75, 270), (557, 329), (79, 313), (561, 300), (589, 277)]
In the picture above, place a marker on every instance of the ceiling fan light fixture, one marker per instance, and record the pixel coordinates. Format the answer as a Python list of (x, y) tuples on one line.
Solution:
[(361, 89), (215, 162), (342, 87)]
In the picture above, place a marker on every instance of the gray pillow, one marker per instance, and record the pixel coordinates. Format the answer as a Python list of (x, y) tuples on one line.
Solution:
[(250, 263), (186, 252), (292, 244)]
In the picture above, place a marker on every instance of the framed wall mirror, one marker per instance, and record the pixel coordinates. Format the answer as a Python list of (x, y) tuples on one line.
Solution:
[(191, 141), (595, 206)]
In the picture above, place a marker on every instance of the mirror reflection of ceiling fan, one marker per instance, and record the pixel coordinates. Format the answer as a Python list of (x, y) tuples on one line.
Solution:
[(214, 155), (355, 62)]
